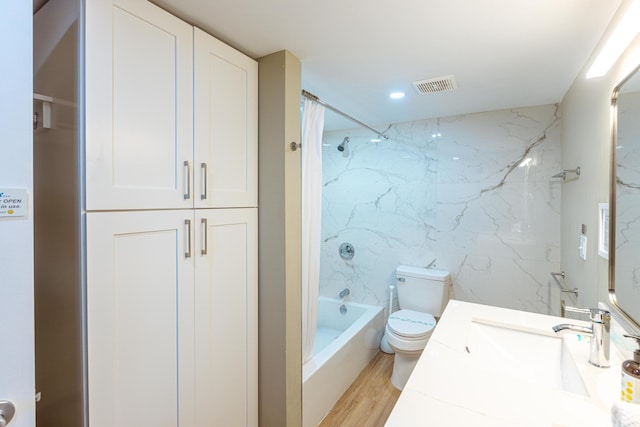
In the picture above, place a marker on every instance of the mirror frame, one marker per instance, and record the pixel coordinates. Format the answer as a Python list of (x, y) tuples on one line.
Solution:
[(613, 180)]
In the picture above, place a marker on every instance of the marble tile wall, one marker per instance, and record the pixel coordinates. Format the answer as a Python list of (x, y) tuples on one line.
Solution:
[(472, 192)]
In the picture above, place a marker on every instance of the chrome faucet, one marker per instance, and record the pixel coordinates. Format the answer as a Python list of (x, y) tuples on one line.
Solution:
[(344, 293), (599, 332)]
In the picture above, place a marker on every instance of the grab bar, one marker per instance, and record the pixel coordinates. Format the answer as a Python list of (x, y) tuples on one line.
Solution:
[(562, 274), (564, 308)]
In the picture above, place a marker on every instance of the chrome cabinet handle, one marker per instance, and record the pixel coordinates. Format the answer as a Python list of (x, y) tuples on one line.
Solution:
[(187, 254), (7, 410), (205, 245), (203, 166), (187, 166)]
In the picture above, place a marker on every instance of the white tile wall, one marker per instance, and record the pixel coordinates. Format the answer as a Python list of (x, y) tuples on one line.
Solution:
[(461, 198)]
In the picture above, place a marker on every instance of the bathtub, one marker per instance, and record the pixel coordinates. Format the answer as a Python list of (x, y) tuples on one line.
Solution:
[(345, 343)]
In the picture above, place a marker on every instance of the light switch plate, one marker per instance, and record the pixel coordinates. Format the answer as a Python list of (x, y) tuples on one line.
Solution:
[(583, 247)]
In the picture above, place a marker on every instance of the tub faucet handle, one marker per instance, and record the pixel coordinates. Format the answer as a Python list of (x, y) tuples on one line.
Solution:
[(344, 292)]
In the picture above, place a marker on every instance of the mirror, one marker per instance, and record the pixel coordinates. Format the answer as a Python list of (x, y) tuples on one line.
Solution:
[(624, 256)]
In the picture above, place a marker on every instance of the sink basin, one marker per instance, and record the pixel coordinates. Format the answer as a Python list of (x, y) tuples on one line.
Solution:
[(531, 355)]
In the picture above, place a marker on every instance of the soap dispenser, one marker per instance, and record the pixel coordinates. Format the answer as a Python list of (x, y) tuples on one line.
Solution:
[(630, 384)]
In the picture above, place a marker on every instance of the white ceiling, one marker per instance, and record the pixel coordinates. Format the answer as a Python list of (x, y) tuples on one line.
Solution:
[(503, 53)]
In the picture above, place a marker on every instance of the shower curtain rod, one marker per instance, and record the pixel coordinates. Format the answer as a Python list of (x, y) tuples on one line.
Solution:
[(345, 115)]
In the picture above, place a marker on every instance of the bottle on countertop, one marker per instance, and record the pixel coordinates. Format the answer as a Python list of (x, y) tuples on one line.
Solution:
[(630, 384)]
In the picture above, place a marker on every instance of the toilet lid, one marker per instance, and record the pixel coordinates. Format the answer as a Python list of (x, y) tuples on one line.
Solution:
[(411, 324)]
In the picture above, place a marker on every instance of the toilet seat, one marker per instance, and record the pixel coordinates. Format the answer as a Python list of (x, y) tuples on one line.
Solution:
[(408, 331), (409, 324)]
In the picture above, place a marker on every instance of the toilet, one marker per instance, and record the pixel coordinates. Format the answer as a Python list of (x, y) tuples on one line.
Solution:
[(422, 296)]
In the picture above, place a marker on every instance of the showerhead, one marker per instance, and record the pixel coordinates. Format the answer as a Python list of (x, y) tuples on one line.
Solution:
[(344, 143)]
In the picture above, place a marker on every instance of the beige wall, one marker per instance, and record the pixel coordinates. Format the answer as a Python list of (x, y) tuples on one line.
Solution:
[(586, 142), (280, 360)]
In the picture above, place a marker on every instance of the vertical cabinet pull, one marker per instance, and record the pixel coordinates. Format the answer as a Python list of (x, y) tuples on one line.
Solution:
[(203, 166), (187, 167), (204, 236), (187, 254)]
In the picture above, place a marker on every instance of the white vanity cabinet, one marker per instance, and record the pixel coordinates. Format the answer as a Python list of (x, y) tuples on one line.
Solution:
[(168, 331), (172, 296), (171, 113), (138, 106), (226, 317), (173, 318), (140, 323), (225, 125)]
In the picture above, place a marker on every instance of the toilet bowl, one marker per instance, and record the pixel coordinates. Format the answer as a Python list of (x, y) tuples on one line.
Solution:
[(407, 333), (422, 294)]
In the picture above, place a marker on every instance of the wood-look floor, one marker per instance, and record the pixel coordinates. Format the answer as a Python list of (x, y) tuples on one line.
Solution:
[(369, 400)]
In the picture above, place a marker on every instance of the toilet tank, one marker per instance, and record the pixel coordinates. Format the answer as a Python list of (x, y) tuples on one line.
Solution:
[(422, 289)]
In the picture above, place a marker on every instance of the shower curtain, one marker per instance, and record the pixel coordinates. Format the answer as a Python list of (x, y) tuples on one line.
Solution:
[(312, 125)]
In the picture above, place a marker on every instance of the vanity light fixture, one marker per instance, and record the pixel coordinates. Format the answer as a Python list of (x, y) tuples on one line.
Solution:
[(626, 30), (375, 140)]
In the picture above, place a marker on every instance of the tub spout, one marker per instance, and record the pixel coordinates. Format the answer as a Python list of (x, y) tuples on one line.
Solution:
[(344, 293)]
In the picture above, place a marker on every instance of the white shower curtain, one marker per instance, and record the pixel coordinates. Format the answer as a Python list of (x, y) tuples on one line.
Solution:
[(312, 125)]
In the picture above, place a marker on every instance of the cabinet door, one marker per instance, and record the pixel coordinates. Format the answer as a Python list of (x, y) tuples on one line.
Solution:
[(226, 316), (139, 106), (225, 125), (140, 319)]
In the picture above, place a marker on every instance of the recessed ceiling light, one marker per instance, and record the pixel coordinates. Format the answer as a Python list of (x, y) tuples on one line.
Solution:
[(375, 140), (396, 95), (455, 158)]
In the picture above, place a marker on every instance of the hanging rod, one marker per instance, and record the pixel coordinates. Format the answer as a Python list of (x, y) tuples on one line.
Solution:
[(345, 115)]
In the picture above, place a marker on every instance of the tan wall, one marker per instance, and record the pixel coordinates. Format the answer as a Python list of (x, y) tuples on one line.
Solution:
[(586, 142), (280, 364)]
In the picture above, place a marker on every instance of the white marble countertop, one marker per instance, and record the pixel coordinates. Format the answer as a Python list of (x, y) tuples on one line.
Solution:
[(447, 389)]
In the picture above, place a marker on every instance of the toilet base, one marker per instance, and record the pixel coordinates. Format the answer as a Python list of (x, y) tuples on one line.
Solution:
[(384, 345), (403, 364)]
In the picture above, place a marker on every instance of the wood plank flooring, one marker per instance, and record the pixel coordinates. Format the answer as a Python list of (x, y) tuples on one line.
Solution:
[(369, 400)]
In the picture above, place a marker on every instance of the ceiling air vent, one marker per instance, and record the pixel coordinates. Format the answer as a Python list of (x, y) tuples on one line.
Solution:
[(438, 84)]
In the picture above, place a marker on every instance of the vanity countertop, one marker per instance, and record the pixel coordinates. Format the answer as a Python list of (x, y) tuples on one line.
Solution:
[(449, 388)]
